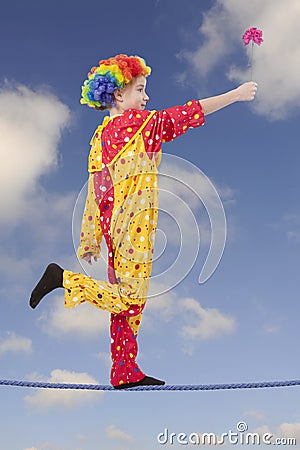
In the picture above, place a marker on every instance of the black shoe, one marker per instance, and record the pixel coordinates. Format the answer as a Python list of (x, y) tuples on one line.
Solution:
[(51, 279), (146, 381)]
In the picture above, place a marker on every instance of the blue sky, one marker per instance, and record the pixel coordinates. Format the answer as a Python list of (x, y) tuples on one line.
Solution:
[(243, 323)]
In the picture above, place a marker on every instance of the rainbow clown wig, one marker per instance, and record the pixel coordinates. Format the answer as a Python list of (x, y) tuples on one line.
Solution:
[(111, 74)]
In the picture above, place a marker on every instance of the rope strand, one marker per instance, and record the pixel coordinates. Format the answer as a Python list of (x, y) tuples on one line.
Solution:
[(178, 387)]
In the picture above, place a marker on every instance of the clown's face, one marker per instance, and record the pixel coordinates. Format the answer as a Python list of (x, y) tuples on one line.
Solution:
[(133, 95)]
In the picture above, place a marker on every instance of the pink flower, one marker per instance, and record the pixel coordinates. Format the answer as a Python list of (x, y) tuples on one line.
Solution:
[(252, 34)]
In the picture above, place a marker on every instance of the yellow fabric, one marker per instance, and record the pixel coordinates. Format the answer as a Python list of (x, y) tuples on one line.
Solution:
[(91, 233), (109, 297), (134, 217), (95, 155)]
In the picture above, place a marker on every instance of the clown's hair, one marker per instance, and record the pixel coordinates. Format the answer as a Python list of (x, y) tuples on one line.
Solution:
[(111, 74)]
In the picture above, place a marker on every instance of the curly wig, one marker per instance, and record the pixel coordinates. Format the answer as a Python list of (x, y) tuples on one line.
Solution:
[(111, 74)]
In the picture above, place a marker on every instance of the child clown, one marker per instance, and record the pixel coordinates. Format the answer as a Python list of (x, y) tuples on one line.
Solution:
[(121, 204)]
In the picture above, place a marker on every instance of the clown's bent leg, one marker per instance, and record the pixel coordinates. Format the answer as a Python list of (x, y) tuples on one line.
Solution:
[(125, 321), (81, 288), (123, 330)]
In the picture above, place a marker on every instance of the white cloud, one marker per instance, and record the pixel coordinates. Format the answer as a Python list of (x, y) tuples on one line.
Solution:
[(14, 343), (44, 399), (84, 320), (32, 448), (31, 123), (113, 432), (276, 65), (205, 323), (192, 319), (284, 432), (47, 446), (215, 47), (290, 430)]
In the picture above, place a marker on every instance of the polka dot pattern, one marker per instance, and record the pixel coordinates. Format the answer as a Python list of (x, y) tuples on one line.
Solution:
[(124, 348), (110, 297), (91, 232)]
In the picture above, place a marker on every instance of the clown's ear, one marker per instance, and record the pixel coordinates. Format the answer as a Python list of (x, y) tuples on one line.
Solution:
[(118, 94)]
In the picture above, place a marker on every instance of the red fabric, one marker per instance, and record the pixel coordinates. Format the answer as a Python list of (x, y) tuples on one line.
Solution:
[(124, 350)]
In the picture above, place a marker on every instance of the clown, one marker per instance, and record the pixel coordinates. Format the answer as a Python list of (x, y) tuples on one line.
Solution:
[(122, 201)]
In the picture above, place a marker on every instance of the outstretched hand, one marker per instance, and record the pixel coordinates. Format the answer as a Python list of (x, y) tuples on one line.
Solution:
[(246, 92), (88, 257)]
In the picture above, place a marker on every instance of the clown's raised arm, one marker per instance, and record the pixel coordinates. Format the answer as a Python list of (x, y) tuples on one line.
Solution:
[(243, 93)]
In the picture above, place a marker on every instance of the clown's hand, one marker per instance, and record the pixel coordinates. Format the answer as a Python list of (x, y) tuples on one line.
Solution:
[(88, 257), (246, 92)]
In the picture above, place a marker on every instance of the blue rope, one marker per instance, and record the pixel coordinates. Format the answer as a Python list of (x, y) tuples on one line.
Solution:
[(192, 387)]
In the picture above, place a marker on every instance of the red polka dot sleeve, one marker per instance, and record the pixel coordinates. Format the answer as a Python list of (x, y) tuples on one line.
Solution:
[(164, 126), (170, 123)]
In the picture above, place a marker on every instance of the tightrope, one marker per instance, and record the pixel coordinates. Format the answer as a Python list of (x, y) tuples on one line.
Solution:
[(167, 387)]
